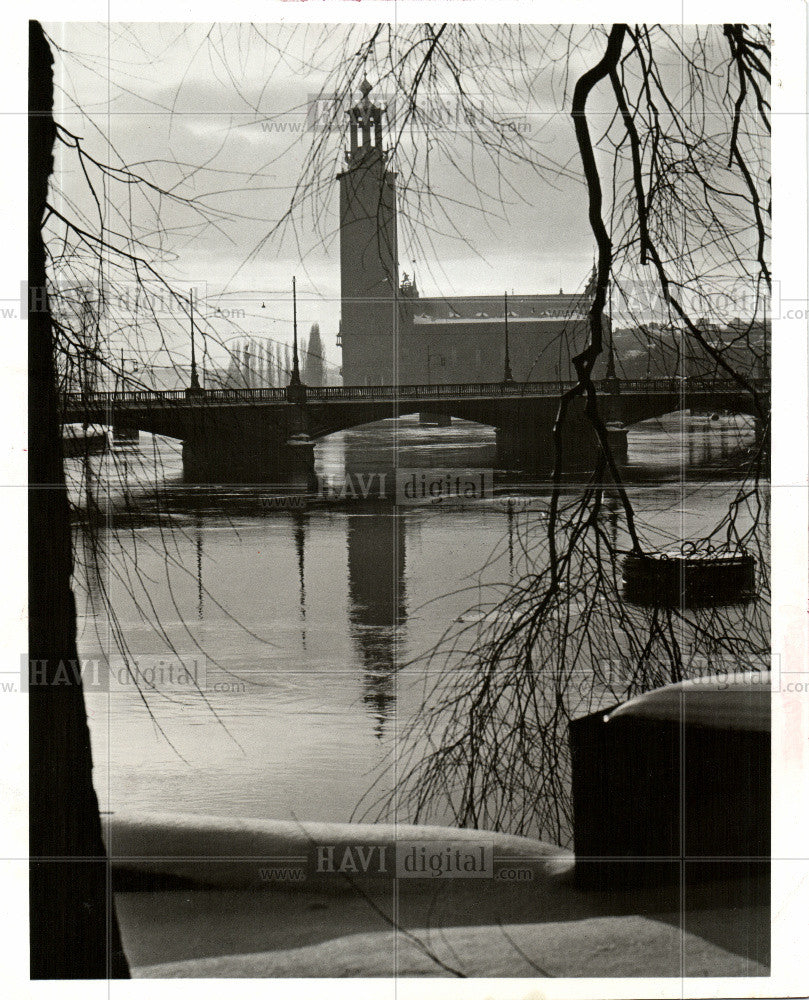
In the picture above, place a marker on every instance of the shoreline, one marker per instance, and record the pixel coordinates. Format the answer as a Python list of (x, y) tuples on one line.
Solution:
[(192, 903)]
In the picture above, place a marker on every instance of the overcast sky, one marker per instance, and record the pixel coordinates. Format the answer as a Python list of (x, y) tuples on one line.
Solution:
[(220, 113)]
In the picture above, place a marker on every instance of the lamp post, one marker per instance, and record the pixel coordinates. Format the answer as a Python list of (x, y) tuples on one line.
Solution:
[(617, 436), (121, 373), (295, 378), (610, 346), (611, 381), (507, 377), (128, 366), (296, 390), (194, 386)]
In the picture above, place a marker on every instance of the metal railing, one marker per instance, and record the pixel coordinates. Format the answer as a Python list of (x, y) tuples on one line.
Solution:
[(383, 393)]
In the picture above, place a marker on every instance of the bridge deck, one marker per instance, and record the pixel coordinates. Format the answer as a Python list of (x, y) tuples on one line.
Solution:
[(382, 393)]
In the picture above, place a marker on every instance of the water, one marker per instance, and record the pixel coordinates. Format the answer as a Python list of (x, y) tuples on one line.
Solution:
[(299, 616)]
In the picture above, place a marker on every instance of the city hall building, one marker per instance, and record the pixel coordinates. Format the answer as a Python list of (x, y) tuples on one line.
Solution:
[(389, 334)]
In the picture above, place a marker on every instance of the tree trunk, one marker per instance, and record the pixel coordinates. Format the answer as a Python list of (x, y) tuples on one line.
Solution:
[(74, 930)]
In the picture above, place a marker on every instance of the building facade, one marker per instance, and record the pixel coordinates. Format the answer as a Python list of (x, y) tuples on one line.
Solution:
[(389, 334), (368, 250)]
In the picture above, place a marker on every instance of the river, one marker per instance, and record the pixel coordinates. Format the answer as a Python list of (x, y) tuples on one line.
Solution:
[(296, 615)]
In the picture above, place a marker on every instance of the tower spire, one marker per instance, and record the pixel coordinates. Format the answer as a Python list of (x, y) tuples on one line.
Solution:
[(365, 124)]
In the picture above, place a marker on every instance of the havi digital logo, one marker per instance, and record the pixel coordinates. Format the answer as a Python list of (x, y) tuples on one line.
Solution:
[(417, 486)]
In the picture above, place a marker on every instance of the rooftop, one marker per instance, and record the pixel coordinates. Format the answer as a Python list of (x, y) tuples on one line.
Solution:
[(488, 307)]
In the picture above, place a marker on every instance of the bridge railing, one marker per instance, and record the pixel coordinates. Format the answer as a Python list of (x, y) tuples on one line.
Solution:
[(105, 400), (109, 400), (172, 397), (438, 391)]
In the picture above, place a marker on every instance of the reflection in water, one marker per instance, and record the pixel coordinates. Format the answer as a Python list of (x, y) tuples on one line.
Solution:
[(376, 593), (301, 522), (510, 530), (724, 439), (200, 588), (612, 505), (704, 443), (315, 714)]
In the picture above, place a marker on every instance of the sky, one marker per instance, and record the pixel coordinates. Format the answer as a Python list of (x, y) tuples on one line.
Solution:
[(229, 104), (218, 114)]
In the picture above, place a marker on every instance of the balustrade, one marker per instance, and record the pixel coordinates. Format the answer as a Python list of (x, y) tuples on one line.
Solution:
[(172, 397)]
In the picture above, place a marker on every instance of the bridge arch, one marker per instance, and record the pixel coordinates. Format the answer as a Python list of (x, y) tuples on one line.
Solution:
[(320, 428), (634, 408)]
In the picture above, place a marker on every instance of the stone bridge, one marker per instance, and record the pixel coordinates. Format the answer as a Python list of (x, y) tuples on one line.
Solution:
[(268, 435)]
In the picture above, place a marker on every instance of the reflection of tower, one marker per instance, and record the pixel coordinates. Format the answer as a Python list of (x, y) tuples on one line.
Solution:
[(368, 254), (376, 561)]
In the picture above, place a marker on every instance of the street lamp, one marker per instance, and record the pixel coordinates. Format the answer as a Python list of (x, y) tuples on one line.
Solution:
[(295, 378), (507, 377), (611, 379), (296, 390), (610, 346), (122, 372), (194, 386)]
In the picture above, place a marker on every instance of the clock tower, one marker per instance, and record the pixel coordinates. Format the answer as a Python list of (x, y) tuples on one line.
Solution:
[(368, 251)]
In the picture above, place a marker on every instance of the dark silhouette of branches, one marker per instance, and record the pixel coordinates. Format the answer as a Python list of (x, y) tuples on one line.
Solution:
[(688, 176), (669, 143)]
